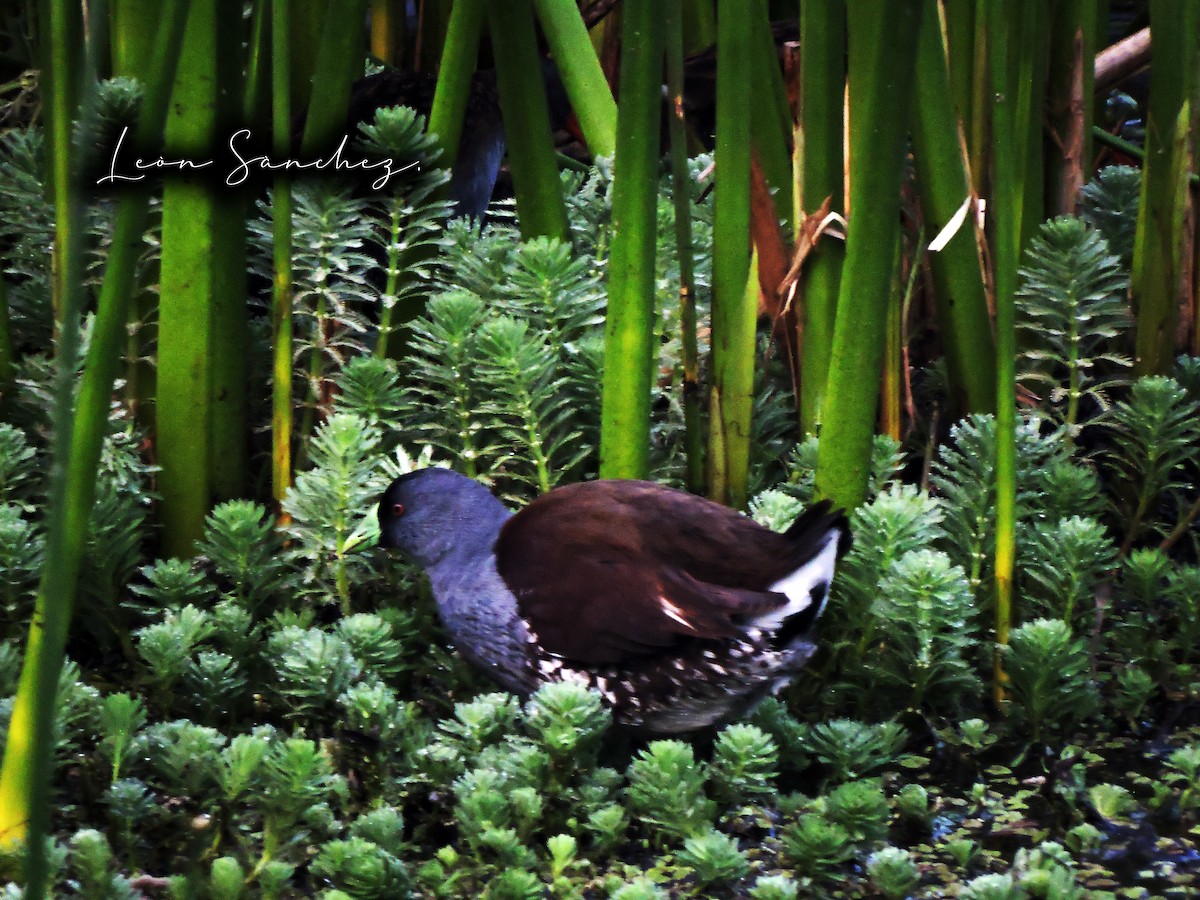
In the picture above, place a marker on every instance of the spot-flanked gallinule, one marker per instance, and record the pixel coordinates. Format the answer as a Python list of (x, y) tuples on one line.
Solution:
[(681, 612)]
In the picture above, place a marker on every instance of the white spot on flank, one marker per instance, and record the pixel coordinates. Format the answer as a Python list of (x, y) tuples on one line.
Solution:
[(798, 585), (605, 691), (674, 612)]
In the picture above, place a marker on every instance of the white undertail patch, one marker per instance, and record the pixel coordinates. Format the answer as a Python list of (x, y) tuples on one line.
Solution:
[(798, 586)]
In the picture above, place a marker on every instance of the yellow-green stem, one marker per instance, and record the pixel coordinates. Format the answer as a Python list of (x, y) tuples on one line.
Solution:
[(629, 357), (459, 53), (281, 228), (681, 190), (734, 303), (536, 183), (591, 98), (881, 35), (818, 173)]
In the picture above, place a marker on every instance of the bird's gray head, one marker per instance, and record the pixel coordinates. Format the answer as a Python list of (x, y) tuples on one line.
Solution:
[(433, 513)]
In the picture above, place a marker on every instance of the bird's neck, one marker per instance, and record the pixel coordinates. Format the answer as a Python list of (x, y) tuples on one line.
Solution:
[(464, 543)]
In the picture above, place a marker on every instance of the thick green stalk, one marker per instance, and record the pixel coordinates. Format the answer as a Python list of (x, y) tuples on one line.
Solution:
[(629, 352), (771, 120), (338, 65), (734, 305), (1070, 87), (960, 46), (281, 243), (681, 192), (97, 41), (1006, 232), (584, 80), (818, 167), (256, 94), (28, 757), (966, 327), (881, 35), (967, 51), (62, 83), (132, 35), (699, 25), (538, 189), (459, 54), (1155, 280), (1033, 63), (979, 126), (201, 317), (306, 26), (1010, 63), (434, 20), (229, 446)]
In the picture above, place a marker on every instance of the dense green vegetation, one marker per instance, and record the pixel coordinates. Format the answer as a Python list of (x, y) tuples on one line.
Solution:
[(215, 685)]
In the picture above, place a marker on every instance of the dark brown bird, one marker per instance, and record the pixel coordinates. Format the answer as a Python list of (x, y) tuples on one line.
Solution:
[(680, 612)]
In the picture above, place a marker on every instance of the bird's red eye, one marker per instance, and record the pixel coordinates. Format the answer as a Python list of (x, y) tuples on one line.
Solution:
[(397, 509)]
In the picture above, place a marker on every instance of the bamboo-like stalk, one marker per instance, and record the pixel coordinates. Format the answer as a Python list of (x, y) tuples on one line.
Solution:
[(28, 757), (591, 98), (62, 82), (958, 19), (966, 328), (459, 54), (771, 120), (1013, 43), (133, 28), (306, 26), (229, 445), (734, 305), (965, 24), (699, 25), (97, 40), (256, 94), (1070, 88), (818, 168), (1034, 60), (629, 353), (132, 35), (338, 65), (1155, 279), (433, 18), (538, 189), (199, 271), (1006, 237), (281, 242), (681, 191), (882, 64)]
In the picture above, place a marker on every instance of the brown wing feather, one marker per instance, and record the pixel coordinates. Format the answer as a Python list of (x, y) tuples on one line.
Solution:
[(608, 570)]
